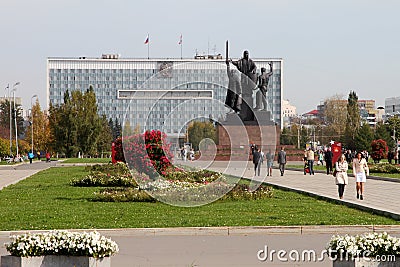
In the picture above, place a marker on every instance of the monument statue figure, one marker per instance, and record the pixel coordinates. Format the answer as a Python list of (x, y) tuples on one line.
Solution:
[(262, 84), (248, 81), (234, 93)]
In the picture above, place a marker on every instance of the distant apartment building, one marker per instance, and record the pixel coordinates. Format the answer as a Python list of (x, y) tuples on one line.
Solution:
[(392, 106), (288, 111)]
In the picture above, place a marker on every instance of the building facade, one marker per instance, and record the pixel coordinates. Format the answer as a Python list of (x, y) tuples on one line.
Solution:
[(162, 94), (392, 106)]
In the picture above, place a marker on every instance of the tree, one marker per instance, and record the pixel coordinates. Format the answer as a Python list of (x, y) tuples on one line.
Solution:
[(197, 131), (5, 119), (117, 129), (42, 137), (105, 138), (335, 116), (382, 131), (63, 127), (75, 124), (4, 147), (352, 121), (89, 124), (286, 138), (394, 127), (363, 138)]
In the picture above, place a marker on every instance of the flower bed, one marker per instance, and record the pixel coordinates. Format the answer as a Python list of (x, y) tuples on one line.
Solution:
[(106, 175), (384, 168), (365, 245), (182, 192), (62, 243)]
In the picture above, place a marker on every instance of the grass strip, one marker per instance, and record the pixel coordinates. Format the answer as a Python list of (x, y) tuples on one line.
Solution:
[(47, 201)]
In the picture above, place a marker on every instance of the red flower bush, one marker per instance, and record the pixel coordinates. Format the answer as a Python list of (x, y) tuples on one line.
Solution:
[(379, 149), (148, 153)]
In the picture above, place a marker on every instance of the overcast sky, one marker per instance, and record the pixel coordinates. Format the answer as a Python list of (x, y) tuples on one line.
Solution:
[(328, 47)]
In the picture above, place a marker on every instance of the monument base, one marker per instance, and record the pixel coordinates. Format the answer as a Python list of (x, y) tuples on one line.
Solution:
[(235, 136)]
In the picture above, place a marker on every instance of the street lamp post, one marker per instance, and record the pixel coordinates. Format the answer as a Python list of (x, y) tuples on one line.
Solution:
[(16, 141), (9, 103), (32, 119), (16, 126)]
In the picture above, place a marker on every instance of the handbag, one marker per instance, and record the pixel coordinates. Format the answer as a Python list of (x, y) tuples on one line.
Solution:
[(334, 173)]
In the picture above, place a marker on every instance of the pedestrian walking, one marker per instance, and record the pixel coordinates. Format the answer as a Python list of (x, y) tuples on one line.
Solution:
[(282, 160), (328, 160), (310, 160), (360, 171), (270, 162), (320, 158), (341, 178), (30, 157), (48, 157), (257, 161)]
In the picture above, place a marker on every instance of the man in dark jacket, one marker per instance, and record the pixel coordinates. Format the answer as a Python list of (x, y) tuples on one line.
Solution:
[(282, 160), (257, 160), (328, 159)]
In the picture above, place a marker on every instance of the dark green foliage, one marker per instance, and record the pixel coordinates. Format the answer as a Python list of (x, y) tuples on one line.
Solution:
[(364, 138), (382, 131), (198, 131), (76, 126), (353, 120)]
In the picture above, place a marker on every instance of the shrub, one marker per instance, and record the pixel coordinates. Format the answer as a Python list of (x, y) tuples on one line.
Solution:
[(379, 149), (242, 192), (106, 175), (384, 168), (148, 153)]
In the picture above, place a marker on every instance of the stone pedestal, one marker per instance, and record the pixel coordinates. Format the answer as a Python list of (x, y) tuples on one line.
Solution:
[(235, 136), (54, 261)]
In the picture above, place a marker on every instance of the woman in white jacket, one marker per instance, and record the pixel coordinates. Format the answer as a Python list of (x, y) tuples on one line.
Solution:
[(360, 171), (341, 178)]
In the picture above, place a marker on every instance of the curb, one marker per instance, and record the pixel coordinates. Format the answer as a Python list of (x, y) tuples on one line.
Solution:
[(233, 230)]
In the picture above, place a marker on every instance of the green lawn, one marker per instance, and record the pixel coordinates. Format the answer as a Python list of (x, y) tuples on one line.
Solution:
[(47, 201), (87, 160)]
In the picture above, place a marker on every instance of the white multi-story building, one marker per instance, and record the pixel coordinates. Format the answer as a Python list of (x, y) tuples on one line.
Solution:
[(163, 94)]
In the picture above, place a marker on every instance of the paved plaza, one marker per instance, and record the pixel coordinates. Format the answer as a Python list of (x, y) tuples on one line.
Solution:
[(238, 246)]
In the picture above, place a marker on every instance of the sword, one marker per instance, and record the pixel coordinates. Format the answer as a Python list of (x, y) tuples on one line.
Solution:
[(227, 52)]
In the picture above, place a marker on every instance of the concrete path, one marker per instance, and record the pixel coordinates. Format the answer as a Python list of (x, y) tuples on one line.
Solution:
[(380, 196), (12, 174)]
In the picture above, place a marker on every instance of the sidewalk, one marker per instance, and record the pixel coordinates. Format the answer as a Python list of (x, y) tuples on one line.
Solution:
[(380, 196), (12, 174)]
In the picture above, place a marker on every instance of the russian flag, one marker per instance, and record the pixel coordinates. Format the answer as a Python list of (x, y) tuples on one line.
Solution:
[(147, 40)]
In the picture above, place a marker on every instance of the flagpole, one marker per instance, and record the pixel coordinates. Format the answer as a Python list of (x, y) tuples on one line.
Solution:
[(180, 43), (148, 47)]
